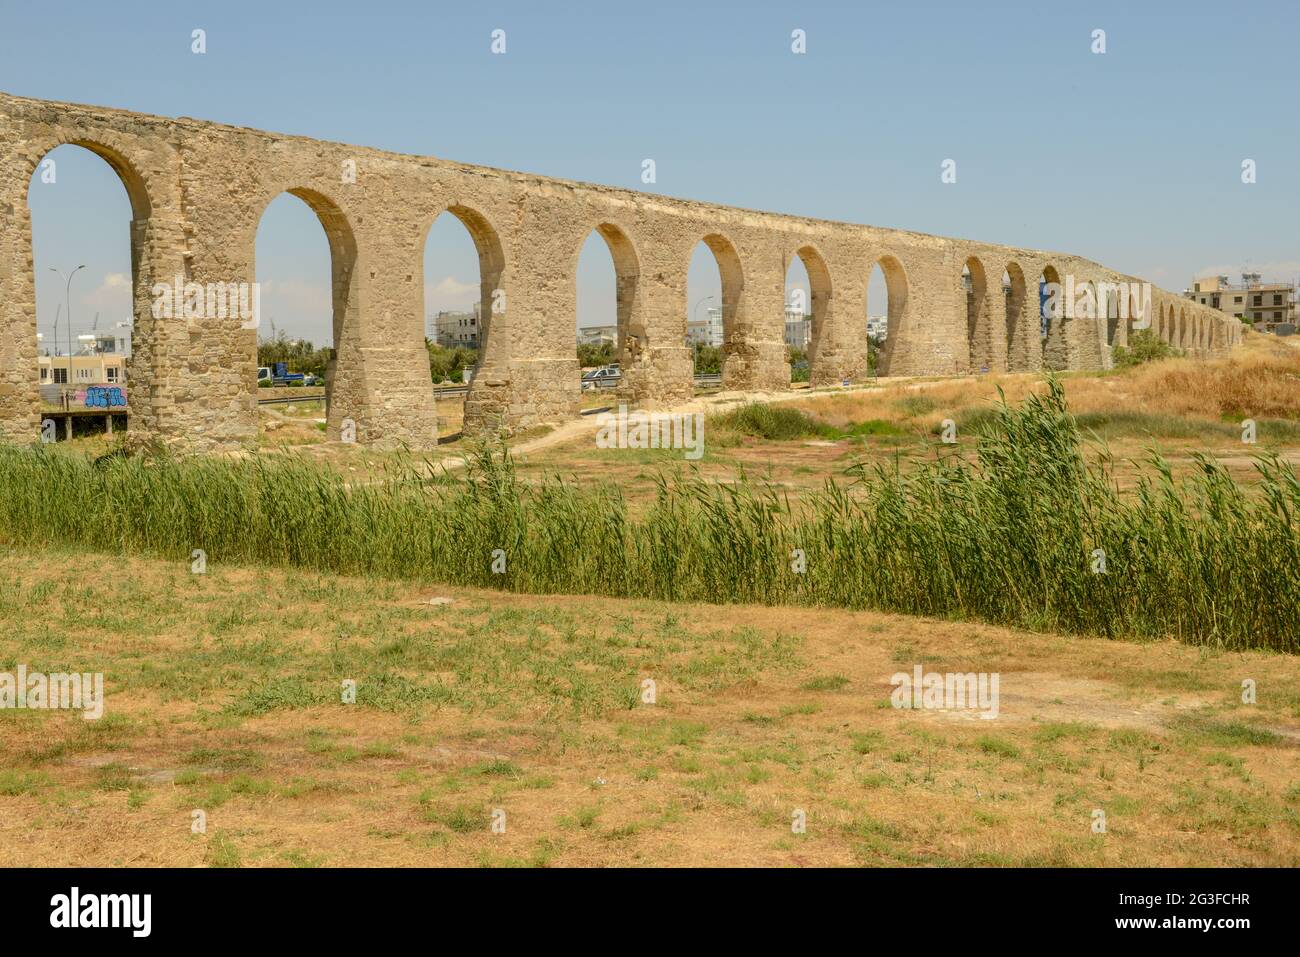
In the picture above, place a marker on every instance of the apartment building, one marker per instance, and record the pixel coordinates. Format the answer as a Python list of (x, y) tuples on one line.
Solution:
[(705, 332), (1266, 304), (456, 330)]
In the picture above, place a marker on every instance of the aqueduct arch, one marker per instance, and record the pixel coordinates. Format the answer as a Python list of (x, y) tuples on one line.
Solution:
[(895, 355), (1055, 341), (489, 403), (633, 338), (819, 305), (736, 358), (1023, 351), (344, 398), (980, 337), (197, 190)]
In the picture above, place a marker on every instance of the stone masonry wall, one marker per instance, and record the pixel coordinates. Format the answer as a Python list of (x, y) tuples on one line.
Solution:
[(198, 191)]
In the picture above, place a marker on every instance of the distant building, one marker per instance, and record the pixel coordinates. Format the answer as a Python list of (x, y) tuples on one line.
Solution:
[(798, 328), (1255, 301), (92, 369), (598, 335), (99, 359), (456, 330), (115, 341), (706, 332), (97, 342), (877, 326)]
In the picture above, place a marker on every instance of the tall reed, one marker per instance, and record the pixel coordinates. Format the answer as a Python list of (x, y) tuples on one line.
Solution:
[(1012, 535)]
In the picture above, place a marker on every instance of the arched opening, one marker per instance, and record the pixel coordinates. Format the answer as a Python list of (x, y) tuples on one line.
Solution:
[(87, 285), (295, 335), (715, 286), (305, 289), (464, 309), (886, 301), (979, 332), (611, 335), (1138, 315), (1089, 305), (798, 319), (1108, 311), (1013, 292), (807, 303), (1051, 297)]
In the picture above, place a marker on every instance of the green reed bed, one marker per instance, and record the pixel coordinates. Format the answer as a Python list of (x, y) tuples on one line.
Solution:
[(1008, 535)]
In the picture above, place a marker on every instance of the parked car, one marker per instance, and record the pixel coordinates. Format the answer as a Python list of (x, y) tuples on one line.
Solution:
[(605, 377)]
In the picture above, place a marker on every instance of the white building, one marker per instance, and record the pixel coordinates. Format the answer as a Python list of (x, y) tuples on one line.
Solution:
[(877, 326), (798, 327), (706, 332), (97, 342), (598, 335)]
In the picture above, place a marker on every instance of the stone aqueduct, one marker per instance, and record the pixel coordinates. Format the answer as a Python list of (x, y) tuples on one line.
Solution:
[(198, 189)]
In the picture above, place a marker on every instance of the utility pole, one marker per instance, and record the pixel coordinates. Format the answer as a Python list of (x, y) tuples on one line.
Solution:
[(67, 298)]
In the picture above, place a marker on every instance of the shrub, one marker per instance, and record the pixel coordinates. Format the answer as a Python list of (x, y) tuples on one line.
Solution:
[(1143, 346), (773, 422)]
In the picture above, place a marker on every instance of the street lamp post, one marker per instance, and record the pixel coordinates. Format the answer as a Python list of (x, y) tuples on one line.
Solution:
[(67, 300)]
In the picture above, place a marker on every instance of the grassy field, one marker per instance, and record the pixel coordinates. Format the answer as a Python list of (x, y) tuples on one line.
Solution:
[(224, 696), (1023, 532), (1178, 407), (1121, 694)]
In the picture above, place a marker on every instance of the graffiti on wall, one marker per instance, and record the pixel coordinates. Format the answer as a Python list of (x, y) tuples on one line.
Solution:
[(103, 397)]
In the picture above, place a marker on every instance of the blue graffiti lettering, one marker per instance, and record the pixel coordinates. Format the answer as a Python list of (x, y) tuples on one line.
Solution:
[(105, 397)]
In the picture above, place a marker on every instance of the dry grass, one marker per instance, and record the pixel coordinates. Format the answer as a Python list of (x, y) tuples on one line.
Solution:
[(1261, 380), (223, 697), (1176, 406)]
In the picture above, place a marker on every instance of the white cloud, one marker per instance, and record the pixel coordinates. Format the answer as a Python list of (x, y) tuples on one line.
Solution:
[(307, 300), (450, 294), (111, 298)]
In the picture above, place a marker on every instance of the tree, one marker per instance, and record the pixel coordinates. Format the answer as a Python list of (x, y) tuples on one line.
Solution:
[(593, 354), (874, 345), (298, 354), (708, 360), (447, 363), (798, 359)]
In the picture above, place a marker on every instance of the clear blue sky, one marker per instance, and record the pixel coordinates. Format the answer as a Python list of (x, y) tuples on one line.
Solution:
[(1132, 158)]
